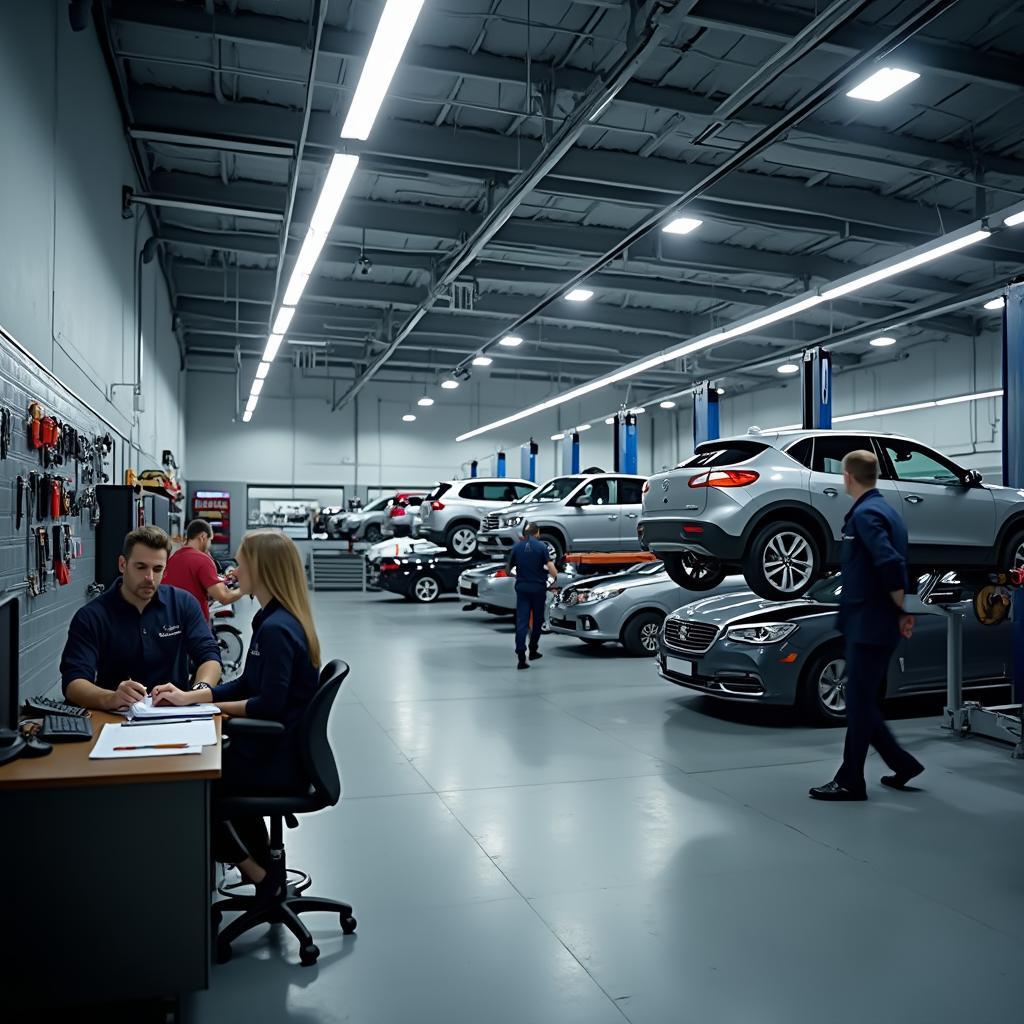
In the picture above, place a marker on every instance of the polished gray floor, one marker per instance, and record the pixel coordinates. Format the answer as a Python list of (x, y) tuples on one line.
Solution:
[(583, 842)]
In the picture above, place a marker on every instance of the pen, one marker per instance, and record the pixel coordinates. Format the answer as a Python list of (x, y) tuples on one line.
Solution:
[(156, 746), (160, 721)]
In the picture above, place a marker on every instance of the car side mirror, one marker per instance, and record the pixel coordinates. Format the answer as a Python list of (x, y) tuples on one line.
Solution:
[(972, 478), (583, 500)]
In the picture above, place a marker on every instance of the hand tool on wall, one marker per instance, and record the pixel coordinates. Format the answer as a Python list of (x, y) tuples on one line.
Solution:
[(61, 557), (5, 432), (19, 506), (56, 502), (41, 557)]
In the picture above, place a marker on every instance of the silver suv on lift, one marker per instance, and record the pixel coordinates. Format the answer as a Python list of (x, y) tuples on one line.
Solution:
[(585, 512), (452, 512), (771, 505)]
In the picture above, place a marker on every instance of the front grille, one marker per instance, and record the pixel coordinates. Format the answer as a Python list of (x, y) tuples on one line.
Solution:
[(563, 623), (492, 522), (688, 636)]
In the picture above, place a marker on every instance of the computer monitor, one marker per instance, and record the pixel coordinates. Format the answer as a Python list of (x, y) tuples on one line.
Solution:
[(9, 617)]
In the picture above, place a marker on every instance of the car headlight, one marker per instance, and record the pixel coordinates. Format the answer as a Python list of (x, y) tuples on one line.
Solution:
[(591, 596), (762, 633), (512, 521)]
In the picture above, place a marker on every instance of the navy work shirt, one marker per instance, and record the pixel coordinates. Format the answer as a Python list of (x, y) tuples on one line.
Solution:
[(279, 679), (874, 558), (110, 640), (529, 558)]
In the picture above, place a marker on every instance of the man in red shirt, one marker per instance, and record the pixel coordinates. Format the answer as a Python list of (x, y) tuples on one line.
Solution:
[(191, 568)]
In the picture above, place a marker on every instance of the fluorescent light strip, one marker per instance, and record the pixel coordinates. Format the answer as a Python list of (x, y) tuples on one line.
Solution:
[(262, 370), (882, 84), (250, 406), (389, 42), (1014, 219), (273, 344), (682, 226), (257, 387), (783, 312), (246, 416), (283, 320), (896, 410)]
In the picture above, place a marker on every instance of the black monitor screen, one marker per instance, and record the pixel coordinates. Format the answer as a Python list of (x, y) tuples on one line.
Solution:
[(9, 663)]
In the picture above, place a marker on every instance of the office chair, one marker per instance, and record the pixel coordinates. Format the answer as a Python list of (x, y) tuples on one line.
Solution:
[(324, 791)]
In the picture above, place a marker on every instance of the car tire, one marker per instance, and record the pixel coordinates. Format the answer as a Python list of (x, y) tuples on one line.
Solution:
[(1013, 552), (691, 572), (373, 534), (426, 590), (555, 548), (821, 697), (640, 634), (461, 540), (782, 561)]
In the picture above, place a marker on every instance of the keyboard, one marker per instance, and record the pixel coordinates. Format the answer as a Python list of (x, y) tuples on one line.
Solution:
[(49, 706), (62, 728)]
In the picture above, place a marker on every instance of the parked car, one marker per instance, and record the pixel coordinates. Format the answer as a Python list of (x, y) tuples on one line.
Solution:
[(772, 506), (627, 607), (402, 517), (739, 646), (451, 513), (584, 512), (362, 525), (323, 517), (493, 588), (420, 577), (401, 546)]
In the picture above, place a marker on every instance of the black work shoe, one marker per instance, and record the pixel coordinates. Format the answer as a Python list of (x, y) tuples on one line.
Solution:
[(833, 791), (523, 663), (900, 780), (535, 654)]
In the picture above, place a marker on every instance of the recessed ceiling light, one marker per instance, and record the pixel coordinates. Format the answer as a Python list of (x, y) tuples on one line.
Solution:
[(558, 437), (579, 295), (996, 303), (884, 342), (721, 391), (1014, 219), (424, 401), (682, 226), (511, 341), (667, 404), (449, 385), (610, 421), (582, 426), (483, 361), (408, 418), (882, 84), (788, 368)]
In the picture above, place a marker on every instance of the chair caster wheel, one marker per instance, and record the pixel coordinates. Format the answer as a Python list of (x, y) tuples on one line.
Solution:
[(308, 955), (348, 925), (223, 953)]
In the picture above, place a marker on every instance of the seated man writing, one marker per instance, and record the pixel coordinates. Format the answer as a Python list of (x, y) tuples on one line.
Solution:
[(137, 634)]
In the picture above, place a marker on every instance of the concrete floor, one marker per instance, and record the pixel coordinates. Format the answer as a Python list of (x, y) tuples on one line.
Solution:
[(586, 843)]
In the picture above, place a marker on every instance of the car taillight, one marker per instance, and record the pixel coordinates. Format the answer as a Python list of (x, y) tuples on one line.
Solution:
[(398, 512), (646, 487), (691, 528), (725, 478), (501, 574), (387, 566), (437, 505)]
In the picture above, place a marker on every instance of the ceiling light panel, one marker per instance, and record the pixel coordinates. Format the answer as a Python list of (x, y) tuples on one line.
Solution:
[(511, 341), (425, 402), (883, 342), (283, 320), (482, 361), (682, 226), (449, 385), (1014, 219), (579, 295), (408, 418), (882, 84), (996, 303), (389, 42), (273, 344), (262, 370)]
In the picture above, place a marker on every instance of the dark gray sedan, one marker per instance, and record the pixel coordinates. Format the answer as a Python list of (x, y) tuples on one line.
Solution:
[(742, 647)]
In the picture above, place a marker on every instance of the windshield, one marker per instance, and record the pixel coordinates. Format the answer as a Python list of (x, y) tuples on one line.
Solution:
[(826, 591), (557, 489), (377, 505)]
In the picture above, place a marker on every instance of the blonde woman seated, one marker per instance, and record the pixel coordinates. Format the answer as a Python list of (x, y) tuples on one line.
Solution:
[(280, 678)]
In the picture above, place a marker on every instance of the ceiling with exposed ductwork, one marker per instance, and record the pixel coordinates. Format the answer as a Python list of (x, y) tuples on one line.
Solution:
[(465, 214)]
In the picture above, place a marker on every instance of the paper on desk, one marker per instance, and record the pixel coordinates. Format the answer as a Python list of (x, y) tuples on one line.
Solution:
[(197, 735), (144, 709)]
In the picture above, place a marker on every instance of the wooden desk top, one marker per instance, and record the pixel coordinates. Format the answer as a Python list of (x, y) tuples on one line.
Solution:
[(69, 765)]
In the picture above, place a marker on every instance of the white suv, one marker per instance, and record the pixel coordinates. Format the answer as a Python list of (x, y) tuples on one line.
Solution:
[(452, 512)]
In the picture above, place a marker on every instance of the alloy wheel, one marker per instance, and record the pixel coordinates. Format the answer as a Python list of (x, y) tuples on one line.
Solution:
[(788, 562), (426, 589), (649, 637), (832, 686), (1018, 557), (464, 541)]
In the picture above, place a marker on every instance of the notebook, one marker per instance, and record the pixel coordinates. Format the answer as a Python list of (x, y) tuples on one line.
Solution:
[(144, 709)]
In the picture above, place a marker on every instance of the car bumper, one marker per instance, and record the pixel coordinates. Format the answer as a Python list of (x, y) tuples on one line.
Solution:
[(738, 672), (497, 543), (664, 536), (587, 621), (397, 582)]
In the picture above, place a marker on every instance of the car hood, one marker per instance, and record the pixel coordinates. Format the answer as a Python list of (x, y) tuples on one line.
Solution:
[(745, 607)]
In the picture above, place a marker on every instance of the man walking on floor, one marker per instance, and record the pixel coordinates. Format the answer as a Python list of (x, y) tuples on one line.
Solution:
[(871, 619), (532, 562)]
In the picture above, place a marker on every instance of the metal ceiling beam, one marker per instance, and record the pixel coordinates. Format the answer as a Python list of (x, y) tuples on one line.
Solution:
[(225, 209), (950, 59), (220, 142), (142, 17)]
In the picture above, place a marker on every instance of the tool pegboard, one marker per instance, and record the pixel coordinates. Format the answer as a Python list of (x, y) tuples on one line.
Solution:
[(59, 450)]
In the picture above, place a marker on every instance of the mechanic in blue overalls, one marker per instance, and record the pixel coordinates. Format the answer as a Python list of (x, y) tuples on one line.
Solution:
[(533, 565)]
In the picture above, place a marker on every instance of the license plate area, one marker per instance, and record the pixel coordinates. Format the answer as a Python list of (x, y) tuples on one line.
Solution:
[(679, 666)]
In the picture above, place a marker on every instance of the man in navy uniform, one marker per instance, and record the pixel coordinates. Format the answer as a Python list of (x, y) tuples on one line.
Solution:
[(872, 619), (532, 563)]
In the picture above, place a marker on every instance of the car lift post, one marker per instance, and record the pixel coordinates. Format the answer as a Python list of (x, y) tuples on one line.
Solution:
[(706, 420), (474, 468), (629, 443), (618, 437), (816, 389), (528, 461), (501, 465), (570, 446)]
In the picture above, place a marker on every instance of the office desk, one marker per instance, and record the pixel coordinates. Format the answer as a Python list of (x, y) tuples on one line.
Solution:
[(104, 875)]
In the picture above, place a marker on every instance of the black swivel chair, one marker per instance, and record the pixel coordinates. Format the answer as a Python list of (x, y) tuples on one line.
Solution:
[(324, 791)]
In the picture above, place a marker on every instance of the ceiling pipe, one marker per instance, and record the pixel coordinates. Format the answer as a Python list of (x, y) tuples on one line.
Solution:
[(601, 93)]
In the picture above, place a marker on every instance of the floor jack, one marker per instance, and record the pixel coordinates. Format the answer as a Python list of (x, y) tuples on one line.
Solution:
[(992, 603)]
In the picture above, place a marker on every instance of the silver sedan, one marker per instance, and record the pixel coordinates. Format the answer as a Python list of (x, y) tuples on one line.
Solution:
[(493, 588)]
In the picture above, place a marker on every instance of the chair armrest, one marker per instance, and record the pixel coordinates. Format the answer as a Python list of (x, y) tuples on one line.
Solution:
[(251, 727)]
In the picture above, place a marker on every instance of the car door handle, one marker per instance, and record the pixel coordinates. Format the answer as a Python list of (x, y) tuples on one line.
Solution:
[(914, 499), (632, 515), (830, 492), (613, 517)]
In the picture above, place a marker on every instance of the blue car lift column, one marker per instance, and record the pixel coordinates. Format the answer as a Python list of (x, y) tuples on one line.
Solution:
[(501, 465), (625, 443), (474, 468), (528, 461), (706, 420), (816, 389), (570, 453)]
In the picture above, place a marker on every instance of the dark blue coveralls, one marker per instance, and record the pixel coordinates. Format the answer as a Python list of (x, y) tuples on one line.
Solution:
[(529, 558)]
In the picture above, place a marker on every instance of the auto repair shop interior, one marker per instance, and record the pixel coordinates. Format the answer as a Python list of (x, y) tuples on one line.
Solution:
[(370, 288)]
